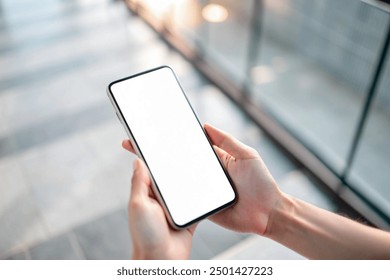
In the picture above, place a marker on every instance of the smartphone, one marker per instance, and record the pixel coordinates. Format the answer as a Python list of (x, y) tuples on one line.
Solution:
[(187, 176)]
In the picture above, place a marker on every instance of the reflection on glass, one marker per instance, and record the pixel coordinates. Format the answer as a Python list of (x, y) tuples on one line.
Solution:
[(228, 41), (309, 65), (262, 74), (370, 169), (159, 8), (214, 13), (188, 23), (315, 63), (219, 30)]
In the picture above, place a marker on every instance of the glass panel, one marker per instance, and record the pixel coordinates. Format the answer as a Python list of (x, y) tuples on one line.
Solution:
[(221, 31), (311, 71), (186, 22), (229, 38), (158, 9), (370, 170), (315, 64)]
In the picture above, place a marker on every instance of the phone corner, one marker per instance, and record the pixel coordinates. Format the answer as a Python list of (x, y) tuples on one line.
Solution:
[(108, 87)]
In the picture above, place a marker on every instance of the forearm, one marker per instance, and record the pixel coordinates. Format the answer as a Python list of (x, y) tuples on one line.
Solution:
[(319, 234)]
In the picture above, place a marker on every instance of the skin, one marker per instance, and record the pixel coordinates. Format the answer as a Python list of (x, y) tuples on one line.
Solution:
[(261, 209), (151, 235)]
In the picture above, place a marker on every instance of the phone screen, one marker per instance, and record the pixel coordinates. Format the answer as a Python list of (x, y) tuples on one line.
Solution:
[(161, 123)]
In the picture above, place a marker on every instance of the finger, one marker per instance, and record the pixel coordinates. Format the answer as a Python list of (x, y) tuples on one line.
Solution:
[(223, 156), (126, 144), (228, 143), (140, 182)]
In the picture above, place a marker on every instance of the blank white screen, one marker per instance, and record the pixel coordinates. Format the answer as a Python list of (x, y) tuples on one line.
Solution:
[(172, 142)]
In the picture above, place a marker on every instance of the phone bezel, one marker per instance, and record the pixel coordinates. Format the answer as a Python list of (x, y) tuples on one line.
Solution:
[(140, 154)]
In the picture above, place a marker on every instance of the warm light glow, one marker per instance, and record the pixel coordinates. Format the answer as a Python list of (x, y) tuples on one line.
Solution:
[(159, 7), (214, 13), (262, 74)]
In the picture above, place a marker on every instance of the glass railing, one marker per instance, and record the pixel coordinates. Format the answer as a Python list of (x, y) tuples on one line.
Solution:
[(319, 69)]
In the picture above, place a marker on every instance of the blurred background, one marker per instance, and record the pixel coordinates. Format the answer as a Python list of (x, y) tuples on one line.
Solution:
[(306, 83)]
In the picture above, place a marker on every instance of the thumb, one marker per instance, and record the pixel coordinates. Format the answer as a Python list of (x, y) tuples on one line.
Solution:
[(140, 181), (229, 144)]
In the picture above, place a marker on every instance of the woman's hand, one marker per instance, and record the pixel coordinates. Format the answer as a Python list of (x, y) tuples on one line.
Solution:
[(151, 235), (258, 193)]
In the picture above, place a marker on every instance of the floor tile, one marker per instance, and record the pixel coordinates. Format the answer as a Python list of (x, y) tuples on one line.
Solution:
[(57, 248), (216, 238), (55, 128), (21, 224), (106, 238), (23, 255), (13, 182), (20, 219), (68, 186)]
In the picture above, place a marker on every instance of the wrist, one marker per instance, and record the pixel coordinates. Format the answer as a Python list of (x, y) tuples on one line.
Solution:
[(148, 255), (158, 254), (280, 216), (139, 255)]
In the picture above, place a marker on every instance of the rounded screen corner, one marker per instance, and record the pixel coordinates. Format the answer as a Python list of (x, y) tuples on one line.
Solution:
[(166, 66), (111, 84), (178, 226)]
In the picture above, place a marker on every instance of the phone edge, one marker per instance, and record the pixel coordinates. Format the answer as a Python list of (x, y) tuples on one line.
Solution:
[(139, 153)]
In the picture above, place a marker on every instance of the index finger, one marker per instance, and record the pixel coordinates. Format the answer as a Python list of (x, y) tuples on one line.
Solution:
[(229, 144), (140, 182), (126, 144)]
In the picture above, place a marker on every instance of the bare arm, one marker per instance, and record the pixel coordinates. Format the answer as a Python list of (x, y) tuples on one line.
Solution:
[(262, 208), (311, 231), (320, 234)]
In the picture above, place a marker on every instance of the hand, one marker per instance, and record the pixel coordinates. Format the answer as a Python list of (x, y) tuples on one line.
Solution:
[(258, 193), (151, 235), (261, 208)]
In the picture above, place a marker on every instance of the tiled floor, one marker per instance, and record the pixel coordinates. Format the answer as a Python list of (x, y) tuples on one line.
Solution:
[(64, 177)]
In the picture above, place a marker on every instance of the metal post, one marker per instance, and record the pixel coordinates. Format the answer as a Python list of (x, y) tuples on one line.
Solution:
[(367, 105), (253, 45)]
